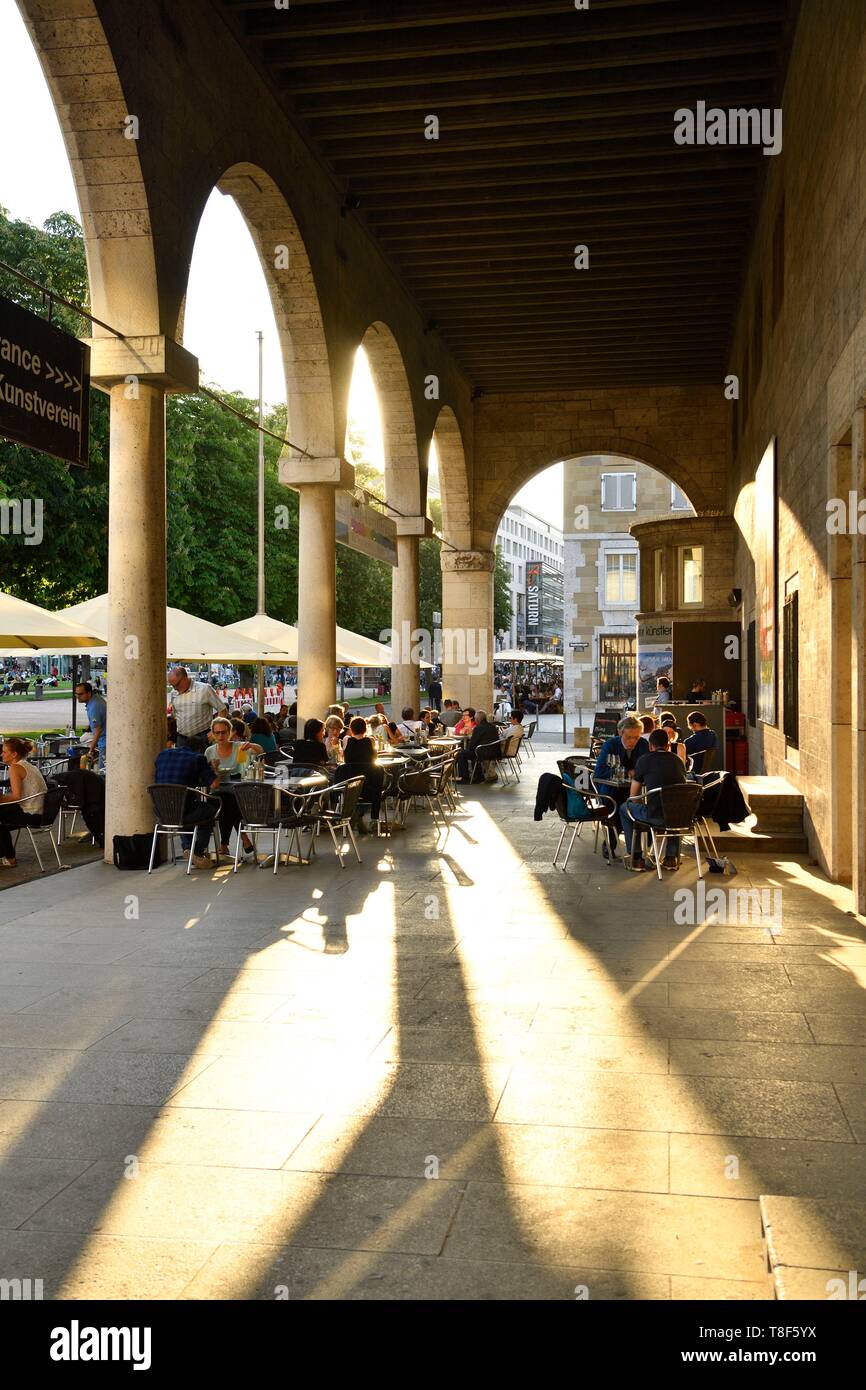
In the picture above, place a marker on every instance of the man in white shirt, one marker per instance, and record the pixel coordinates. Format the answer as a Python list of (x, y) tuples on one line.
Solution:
[(193, 704)]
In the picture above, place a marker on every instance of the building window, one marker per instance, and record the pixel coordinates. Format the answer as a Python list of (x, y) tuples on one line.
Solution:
[(620, 579), (691, 576), (618, 492), (659, 580), (679, 501), (790, 688), (616, 669)]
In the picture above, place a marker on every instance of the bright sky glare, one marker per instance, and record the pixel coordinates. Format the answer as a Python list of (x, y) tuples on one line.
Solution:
[(227, 299)]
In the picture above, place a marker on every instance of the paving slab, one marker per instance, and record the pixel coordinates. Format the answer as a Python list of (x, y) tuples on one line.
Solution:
[(536, 1093)]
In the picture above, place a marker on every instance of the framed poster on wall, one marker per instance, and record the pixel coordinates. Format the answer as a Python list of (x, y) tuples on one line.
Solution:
[(765, 582)]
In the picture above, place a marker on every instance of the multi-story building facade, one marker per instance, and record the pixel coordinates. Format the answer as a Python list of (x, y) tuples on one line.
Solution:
[(603, 496), (525, 539)]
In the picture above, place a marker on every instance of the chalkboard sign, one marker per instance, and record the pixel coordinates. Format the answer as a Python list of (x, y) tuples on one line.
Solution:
[(605, 725)]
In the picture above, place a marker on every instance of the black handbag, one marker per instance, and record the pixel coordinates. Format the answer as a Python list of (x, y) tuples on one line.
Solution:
[(133, 851)]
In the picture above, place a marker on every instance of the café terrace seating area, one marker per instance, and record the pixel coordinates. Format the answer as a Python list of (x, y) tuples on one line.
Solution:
[(653, 1094)]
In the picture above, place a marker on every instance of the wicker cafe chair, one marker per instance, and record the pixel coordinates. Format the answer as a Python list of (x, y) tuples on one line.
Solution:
[(593, 809), (679, 810), (170, 802), (339, 805)]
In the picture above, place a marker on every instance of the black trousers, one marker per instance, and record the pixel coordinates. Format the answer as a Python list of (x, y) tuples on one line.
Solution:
[(13, 818)]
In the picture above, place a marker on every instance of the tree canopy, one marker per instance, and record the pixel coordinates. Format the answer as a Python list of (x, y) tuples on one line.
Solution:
[(211, 489)]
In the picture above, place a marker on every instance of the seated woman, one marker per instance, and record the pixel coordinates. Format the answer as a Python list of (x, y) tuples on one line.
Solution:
[(676, 745), (24, 802), (334, 731), (395, 737), (227, 756), (466, 724), (360, 757), (262, 734), (310, 751)]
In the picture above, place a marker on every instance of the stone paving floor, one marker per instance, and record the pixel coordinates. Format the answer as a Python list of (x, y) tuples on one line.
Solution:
[(452, 1072)]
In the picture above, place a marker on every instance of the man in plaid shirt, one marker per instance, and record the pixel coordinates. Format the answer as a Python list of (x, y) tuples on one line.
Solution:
[(193, 704), (188, 767)]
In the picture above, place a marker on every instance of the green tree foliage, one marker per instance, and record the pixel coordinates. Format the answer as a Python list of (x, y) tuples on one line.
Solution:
[(212, 501), (502, 611), (211, 485)]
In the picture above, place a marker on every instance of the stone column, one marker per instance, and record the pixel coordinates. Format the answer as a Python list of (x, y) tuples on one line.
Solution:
[(841, 661), (405, 668), (858, 671), (467, 627), (137, 373), (316, 481)]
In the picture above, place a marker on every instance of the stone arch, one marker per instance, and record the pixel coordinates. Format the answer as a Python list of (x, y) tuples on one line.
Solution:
[(82, 77), (286, 267), (493, 495), (405, 477), (453, 480)]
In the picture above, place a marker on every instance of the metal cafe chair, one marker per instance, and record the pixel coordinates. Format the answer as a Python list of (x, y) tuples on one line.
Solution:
[(170, 803), (679, 809), (586, 809), (339, 804), (45, 825)]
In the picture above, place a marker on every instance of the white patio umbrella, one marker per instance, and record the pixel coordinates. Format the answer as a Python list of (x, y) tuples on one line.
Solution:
[(352, 648), (187, 638), (24, 627)]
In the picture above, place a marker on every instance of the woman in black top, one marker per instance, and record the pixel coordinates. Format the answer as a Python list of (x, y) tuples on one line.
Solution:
[(360, 756), (310, 751)]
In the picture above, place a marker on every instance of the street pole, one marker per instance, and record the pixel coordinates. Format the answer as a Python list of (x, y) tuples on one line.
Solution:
[(260, 607)]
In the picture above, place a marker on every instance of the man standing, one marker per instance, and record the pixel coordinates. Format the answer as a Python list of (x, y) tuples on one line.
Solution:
[(96, 718), (434, 690), (657, 768), (193, 704)]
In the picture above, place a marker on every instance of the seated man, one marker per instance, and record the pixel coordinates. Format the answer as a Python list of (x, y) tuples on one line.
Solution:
[(451, 714), (618, 756), (699, 741), (188, 767), (657, 768), (485, 732)]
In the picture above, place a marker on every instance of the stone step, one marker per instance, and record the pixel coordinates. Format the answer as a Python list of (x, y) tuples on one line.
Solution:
[(745, 840), (815, 1247)]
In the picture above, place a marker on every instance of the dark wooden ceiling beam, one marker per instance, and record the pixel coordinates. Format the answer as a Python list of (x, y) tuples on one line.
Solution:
[(373, 86), (598, 100), (648, 163), (602, 113), (474, 39), (728, 185)]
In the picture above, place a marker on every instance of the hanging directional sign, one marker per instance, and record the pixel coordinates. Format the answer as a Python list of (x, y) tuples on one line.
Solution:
[(44, 385)]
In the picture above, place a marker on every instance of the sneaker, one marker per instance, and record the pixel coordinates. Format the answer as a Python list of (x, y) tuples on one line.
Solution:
[(608, 853), (201, 861), (670, 863), (635, 866), (8, 863)]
